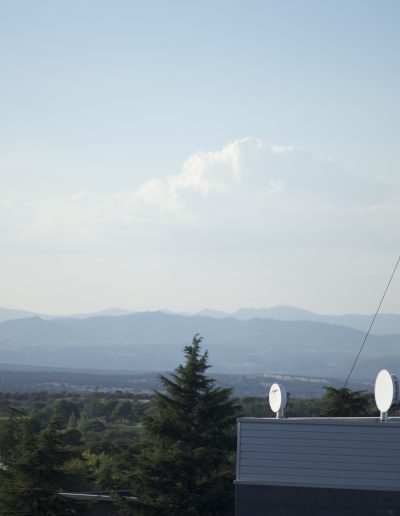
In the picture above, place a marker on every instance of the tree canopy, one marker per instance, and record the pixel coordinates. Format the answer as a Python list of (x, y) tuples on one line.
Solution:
[(344, 402), (32, 473), (185, 462)]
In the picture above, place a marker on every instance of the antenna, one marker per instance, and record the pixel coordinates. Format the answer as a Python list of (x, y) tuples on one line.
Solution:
[(277, 399), (386, 392)]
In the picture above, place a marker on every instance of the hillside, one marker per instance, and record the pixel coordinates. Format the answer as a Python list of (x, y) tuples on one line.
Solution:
[(153, 341), (385, 324)]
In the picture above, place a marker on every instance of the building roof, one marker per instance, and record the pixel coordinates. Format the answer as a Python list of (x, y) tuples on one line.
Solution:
[(356, 453)]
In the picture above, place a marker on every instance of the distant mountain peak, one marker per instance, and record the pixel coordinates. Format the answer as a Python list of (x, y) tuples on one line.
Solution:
[(10, 314), (385, 324), (111, 312)]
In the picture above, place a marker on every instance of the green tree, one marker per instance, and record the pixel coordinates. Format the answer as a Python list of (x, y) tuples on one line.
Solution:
[(185, 462), (122, 411), (72, 421), (32, 472), (64, 408), (344, 402)]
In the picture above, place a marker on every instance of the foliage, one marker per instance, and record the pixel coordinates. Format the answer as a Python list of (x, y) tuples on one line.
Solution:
[(185, 455), (344, 402), (32, 474), (302, 407), (173, 449), (65, 409)]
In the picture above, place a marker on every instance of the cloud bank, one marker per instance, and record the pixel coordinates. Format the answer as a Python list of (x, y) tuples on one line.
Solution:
[(248, 193)]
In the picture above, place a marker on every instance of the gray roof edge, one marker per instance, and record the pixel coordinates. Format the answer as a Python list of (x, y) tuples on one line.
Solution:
[(372, 421), (316, 486)]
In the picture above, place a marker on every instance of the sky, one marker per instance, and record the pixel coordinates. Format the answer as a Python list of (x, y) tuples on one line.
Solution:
[(188, 155)]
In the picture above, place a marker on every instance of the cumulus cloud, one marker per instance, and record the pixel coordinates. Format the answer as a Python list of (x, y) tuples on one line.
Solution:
[(246, 192)]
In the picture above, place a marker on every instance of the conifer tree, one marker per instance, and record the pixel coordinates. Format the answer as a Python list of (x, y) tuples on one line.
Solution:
[(72, 421), (32, 470), (344, 402), (185, 463)]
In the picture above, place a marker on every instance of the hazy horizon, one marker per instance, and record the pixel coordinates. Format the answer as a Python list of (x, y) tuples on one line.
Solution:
[(186, 312)]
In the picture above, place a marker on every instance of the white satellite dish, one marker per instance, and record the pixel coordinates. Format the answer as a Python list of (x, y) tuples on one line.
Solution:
[(277, 399), (386, 392)]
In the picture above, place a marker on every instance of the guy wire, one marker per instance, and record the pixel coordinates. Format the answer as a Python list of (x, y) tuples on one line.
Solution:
[(372, 323)]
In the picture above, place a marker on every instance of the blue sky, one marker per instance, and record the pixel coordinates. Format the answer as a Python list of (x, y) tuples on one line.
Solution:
[(130, 133)]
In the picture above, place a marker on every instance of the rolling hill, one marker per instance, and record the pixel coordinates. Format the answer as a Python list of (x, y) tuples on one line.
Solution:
[(385, 324), (153, 341)]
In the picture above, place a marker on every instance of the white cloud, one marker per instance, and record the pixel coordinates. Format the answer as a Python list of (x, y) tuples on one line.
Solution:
[(246, 192), (249, 224)]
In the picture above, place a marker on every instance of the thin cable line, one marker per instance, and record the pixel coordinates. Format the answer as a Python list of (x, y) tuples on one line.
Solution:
[(372, 323)]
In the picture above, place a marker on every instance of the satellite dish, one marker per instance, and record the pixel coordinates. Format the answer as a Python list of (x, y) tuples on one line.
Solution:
[(277, 399), (386, 391)]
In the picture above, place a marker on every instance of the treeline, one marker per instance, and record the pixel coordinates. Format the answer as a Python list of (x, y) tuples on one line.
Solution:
[(173, 450)]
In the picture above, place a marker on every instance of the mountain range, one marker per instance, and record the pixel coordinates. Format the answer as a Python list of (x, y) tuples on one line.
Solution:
[(153, 341), (11, 314), (385, 324)]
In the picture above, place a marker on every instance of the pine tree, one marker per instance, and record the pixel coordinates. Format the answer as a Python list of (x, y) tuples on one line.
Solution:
[(185, 463), (72, 421), (344, 402), (32, 473)]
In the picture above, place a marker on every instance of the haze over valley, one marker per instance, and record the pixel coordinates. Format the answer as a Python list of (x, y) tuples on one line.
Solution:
[(276, 341)]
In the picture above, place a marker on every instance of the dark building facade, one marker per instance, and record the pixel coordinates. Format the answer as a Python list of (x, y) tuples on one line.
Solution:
[(318, 467)]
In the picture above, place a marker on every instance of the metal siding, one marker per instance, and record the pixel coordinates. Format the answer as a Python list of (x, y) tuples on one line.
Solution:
[(308, 453)]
